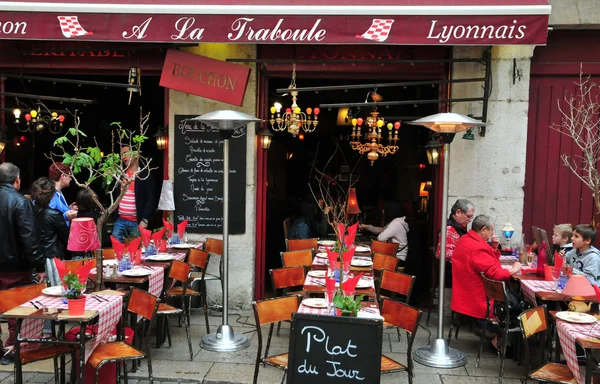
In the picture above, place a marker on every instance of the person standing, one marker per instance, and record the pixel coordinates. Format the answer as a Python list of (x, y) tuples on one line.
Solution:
[(20, 251), (60, 173), (138, 204)]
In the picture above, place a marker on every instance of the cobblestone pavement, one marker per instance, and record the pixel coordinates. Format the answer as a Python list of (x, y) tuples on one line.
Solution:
[(173, 365)]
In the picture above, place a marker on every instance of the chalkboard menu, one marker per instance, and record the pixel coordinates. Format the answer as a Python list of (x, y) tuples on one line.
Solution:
[(198, 178), (334, 349)]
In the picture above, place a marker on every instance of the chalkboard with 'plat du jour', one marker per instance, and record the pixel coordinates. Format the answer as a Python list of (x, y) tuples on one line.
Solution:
[(198, 177), (334, 349)]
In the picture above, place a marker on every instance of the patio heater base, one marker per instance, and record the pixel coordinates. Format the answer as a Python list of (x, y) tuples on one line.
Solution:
[(224, 340), (439, 355)]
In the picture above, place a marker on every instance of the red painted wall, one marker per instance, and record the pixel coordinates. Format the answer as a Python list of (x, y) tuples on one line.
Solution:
[(553, 194)]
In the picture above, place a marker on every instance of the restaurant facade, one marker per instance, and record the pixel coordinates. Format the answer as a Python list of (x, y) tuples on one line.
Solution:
[(439, 43)]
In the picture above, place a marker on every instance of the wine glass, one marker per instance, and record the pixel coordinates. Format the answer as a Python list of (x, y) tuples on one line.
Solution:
[(555, 277)]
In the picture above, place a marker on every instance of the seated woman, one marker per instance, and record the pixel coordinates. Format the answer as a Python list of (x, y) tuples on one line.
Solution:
[(54, 233), (309, 221), (396, 231)]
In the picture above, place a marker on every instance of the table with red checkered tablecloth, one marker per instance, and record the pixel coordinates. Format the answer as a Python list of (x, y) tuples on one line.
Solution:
[(530, 287), (324, 261), (109, 311), (369, 310), (568, 333)]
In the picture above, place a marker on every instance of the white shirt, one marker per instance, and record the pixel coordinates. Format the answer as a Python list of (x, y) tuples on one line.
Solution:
[(397, 231)]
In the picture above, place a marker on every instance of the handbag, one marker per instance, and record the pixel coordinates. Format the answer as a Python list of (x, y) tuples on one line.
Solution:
[(515, 306)]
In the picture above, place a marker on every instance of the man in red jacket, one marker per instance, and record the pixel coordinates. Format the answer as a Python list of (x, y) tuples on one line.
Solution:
[(472, 256)]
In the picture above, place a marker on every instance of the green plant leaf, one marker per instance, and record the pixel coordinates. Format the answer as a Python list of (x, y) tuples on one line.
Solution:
[(60, 141), (73, 131), (67, 159)]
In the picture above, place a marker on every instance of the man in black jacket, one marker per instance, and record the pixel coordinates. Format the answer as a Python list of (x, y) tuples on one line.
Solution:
[(20, 251), (138, 204)]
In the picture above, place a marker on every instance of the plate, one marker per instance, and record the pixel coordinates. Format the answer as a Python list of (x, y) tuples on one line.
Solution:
[(321, 255), (361, 263), (318, 274), (137, 272), (315, 303), (326, 243), (576, 317), (52, 291), (364, 283), (362, 248), (182, 246), (160, 257)]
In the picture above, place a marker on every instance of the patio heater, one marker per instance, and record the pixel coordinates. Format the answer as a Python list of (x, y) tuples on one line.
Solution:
[(225, 340), (439, 354)]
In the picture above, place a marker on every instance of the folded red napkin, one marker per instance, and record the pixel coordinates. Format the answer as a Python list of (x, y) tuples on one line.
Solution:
[(181, 228), (330, 284), (118, 247), (350, 284), (133, 248), (332, 257), (526, 270), (158, 237), (349, 239), (146, 236), (558, 261), (169, 227), (61, 267), (597, 290), (84, 271), (341, 232), (349, 254)]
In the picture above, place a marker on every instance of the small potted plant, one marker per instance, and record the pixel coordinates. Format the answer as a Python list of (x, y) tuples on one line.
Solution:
[(74, 294), (347, 305)]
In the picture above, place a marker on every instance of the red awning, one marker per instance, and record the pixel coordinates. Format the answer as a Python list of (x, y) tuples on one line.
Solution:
[(422, 22)]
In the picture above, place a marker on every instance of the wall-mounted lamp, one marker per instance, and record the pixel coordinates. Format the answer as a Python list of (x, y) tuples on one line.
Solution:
[(469, 135), (161, 137), (135, 78), (433, 152), (265, 136), (508, 230)]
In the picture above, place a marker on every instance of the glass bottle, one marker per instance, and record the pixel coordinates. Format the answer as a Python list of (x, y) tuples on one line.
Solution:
[(150, 249), (125, 262)]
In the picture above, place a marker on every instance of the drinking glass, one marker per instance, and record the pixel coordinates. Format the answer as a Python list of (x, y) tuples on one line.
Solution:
[(555, 277), (530, 257), (329, 294)]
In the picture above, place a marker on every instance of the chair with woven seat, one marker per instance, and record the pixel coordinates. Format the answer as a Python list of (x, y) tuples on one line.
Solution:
[(496, 291), (295, 258), (142, 304), (407, 318), (199, 260), (382, 261), (535, 321), (215, 247), (389, 249), (300, 244), (269, 312), (12, 298), (396, 286), (287, 280), (179, 272)]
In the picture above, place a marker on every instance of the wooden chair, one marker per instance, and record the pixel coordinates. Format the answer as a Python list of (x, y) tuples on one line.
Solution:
[(405, 317), (108, 254), (535, 321), (285, 279), (179, 272), (395, 284), (215, 247), (141, 304), (300, 244), (72, 265), (269, 312), (381, 261), (389, 249), (496, 291), (296, 258), (199, 259), (287, 224), (12, 298)]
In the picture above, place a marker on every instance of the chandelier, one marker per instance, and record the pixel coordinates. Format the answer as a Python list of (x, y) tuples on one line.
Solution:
[(38, 120), (372, 144), (294, 119)]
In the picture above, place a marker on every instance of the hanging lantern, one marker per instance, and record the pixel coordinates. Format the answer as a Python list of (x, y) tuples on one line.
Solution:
[(353, 208)]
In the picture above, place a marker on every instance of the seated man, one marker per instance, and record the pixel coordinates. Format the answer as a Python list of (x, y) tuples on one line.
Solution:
[(472, 256), (585, 258)]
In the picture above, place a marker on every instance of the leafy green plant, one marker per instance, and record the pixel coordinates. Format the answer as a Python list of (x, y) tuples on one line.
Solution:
[(88, 165), (73, 287), (347, 304)]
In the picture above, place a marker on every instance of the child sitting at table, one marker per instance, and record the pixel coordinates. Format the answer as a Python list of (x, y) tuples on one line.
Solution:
[(561, 238), (585, 258)]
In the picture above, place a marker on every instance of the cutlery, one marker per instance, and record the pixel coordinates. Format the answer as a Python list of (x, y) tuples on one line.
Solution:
[(35, 306), (41, 304), (97, 298), (369, 310)]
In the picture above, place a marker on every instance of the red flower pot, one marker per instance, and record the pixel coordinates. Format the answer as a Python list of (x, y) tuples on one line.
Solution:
[(76, 306), (338, 312)]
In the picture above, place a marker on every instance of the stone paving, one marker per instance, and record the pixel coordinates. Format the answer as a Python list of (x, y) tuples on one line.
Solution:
[(172, 365)]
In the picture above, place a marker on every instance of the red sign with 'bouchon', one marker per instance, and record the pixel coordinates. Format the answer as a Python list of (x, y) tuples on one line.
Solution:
[(210, 78)]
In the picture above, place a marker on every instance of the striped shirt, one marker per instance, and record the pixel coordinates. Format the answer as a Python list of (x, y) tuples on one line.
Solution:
[(127, 205)]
